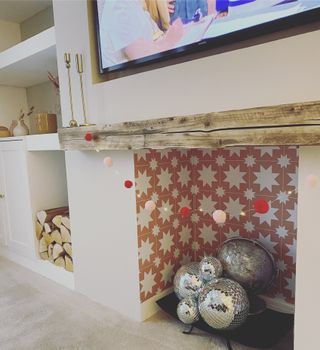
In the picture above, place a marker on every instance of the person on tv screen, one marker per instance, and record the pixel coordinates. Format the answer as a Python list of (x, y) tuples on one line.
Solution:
[(127, 32), (187, 10)]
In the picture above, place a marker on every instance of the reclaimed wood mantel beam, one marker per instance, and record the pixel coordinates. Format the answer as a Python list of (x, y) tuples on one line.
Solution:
[(290, 124)]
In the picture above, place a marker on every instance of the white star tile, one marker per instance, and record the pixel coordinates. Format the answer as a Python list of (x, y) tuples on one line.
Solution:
[(268, 150), (249, 161), (148, 282), (185, 234), (165, 211), (185, 202), (234, 208), (184, 176), (142, 153), (143, 182), (294, 179), (267, 217), (291, 284), (164, 179), (249, 194), (232, 233), (282, 197), (145, 251), (292, 250), (166, 242), (207, 204), (266, 178), (220, 160), (281, 231), (267, 243), (293, 216), (144, 218), (283, 161), (207, 175), (167, 273), (234, 177), (207, 234), (249, 227)]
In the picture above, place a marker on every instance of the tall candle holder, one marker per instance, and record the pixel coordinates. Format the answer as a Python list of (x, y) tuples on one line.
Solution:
[(67, 58), (79, 63)]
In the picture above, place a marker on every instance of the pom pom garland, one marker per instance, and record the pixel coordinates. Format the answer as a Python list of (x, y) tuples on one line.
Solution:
[(261, 206), (150, 205), (128, 184), (219, 216), (312, 180), (185, 212), (108, 161), (88, 136)]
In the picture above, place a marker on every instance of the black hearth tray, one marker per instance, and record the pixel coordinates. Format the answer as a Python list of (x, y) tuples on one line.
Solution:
[(259, 331)]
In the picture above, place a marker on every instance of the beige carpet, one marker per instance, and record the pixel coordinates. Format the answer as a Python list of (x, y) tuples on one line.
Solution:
[(37, 314)]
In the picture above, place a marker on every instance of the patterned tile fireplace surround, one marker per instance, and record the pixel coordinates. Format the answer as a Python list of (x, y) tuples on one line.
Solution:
[(205, 180)]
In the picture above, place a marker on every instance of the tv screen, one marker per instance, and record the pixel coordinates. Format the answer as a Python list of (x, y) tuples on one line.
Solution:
[(133, 32)]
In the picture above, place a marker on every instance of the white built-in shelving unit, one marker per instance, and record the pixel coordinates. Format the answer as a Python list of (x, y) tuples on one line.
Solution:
[(27, 63), (32, 167)]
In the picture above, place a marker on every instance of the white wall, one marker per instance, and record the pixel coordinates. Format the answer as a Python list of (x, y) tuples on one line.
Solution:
[(282, 71), (9, 34), (307, 281), (11, 101)]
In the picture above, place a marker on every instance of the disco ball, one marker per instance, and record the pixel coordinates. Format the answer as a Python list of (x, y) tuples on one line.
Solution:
[(187, 281), (247, 262), (210, 268), (223, 304), (188, 311)]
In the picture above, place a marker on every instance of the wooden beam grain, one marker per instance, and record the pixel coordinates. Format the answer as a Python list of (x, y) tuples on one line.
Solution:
[(291, 124)]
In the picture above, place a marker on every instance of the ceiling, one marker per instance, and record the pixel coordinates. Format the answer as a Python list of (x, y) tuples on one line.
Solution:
[(19, 10)]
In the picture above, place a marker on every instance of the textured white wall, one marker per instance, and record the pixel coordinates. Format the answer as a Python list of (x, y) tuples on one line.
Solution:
[(11, 101), (9, 34), (308, 243), (282, 71)]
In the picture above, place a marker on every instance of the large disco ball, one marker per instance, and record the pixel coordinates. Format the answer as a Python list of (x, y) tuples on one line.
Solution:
[(247, 262), (187, 281), (210, 268), (188, 311), (223, 304)]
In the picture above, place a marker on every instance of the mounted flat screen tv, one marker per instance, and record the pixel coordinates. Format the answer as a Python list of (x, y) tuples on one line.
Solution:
[(136, 32)]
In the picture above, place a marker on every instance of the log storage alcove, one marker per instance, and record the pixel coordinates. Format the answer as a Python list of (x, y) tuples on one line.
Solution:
[(54, 237), (289, 124)]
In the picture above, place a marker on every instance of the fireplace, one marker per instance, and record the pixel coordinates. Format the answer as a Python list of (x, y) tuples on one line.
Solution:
[(205, 180)]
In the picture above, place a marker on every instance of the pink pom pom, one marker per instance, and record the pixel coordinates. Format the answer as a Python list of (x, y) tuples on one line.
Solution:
[(219, 216), (312, 180), (108, 161), (150, 205)]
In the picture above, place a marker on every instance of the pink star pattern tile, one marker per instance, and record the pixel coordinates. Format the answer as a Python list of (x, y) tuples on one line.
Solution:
[(206, 180)]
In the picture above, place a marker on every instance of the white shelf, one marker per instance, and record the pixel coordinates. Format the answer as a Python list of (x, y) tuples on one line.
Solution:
[(44, 142), (28, 62)]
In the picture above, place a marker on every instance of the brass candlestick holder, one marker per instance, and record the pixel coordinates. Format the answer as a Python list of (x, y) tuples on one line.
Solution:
[(80, 71), (67, 58)]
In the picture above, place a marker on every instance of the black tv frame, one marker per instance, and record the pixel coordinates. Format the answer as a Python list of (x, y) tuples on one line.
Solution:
[(242, 35)]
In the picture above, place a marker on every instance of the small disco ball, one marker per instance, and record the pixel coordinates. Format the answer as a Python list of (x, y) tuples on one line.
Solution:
[(223, 304), (188, 311), (210, 268), (187, 281), (247, 262)]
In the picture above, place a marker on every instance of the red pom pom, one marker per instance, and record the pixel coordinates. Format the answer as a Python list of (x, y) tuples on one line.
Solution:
[(261, 206), (185, 212), (128, 184), (88, 136)]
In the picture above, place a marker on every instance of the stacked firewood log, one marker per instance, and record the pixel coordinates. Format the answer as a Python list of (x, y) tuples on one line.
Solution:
[(54, 237)]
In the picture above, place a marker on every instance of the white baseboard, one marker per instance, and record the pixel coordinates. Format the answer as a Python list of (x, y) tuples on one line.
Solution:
[(150, 307), (44, 268)]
